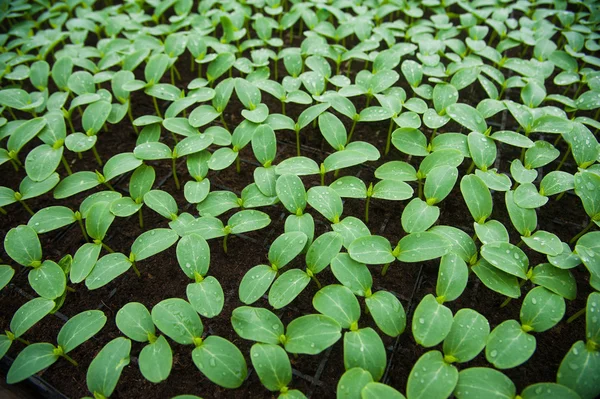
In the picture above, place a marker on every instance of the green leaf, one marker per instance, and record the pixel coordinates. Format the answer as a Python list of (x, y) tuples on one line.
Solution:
[(222, 158), (178, 320), (272, 365), (94, 117), (477, 197), (48, 280), (349, 187), (352, 382), (80, 328), (343, 159), (217, 202), (105, 370), (467, 116), (333, 130), (206, 297), (497, 280), (299, 166), (506, 257), (452, 277), (557, 280), (410, 141), (388, 313), (419, 247), (392, 190), (468, 335), (98, 220), (257, 324), (431, 377), (540, 390), (491, 231), (152, 242), (363, 348), (106, 270), (256, 282), (526, 196), (322, 251), (22, 244), (592, 326), (509, 346), (439, 184), (524, 220), (42, 161), (579, 370), (30, 360), (153, 151), (483, 382), (287, 287), (544, 242), (248, 220), (84, 261), (156, 360), (24, 133), (135, 322), (51, 218), (418, 216), (352, 274), (29, 314), (221, 362), (6, 274), (542, 309), (193, 255), (482, 149), (512, 138), (339, 303), (311, 334), (374, 390), (587, 188), (431, 322), (264, 144), (290, 191), (286, 247), (120, 164), (162, 203), (588, 249), (556, 182), (373, 250), (541, 154), (326, 201), (351, 228)]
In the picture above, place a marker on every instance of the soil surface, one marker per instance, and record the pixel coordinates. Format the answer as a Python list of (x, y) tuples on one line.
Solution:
[(162, 278)]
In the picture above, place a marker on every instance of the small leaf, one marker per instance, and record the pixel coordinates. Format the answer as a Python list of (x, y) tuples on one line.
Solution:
[(206, 297), (105, 370), (468, 335), (431, 322), (80, 328), (311, 334), (431, 377), (363, 348), (221, 362), (509, 346), (257, 324)]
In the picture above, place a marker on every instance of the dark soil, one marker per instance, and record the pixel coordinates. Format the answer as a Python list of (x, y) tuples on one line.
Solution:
[(162, 278)]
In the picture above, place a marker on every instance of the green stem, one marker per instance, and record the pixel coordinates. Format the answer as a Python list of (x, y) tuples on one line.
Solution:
[(506, 302), (66, 165), (316, 280), (130, 114), (577, 315), (135, 269), (14, 164), (68, 118), (173, 164), (80, 222), (156, 107), (225, 243), (283, 107), (582, 232), (2, 211), (420, 183), (27, 208), (471, 167), (389, 137), (351, 131), (385, 269), (70, 359), (141, 218), (367, 209), (96, 155), (69, 289), (238, 167), (564, 158), (223, 121), (106, 247), (23, 341), (110, 187), (322, 178)]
